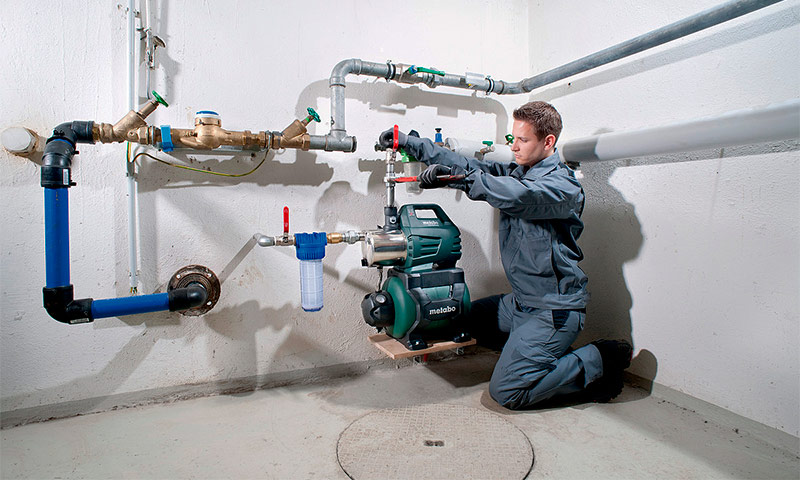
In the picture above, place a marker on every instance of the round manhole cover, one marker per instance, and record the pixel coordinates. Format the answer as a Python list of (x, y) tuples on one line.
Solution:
[(433, 441)]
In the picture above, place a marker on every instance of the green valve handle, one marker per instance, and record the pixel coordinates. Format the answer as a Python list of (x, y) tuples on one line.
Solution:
[(159, 99), (488, 143), (312, 114), (430, 70), (509, 139), (415, 69)]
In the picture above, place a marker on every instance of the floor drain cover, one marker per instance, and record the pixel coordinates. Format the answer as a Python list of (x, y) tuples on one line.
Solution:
[(433, 441)]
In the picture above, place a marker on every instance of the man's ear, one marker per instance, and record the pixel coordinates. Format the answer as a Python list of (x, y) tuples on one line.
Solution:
[(549, 141)]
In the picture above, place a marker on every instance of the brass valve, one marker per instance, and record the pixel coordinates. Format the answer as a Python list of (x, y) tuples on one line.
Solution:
[(126, 129), (295, 135)]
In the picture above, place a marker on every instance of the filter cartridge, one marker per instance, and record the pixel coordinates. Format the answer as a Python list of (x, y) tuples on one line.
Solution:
[(311, 285), (310, 250)]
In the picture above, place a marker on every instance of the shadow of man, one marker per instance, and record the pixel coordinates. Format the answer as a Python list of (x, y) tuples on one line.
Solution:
[(612, 237)]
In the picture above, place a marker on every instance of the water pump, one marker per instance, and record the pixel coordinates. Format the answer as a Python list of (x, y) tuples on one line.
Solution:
[(424, 295)]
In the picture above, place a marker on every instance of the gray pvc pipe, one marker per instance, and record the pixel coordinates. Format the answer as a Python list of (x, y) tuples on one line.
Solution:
[(741, 127)]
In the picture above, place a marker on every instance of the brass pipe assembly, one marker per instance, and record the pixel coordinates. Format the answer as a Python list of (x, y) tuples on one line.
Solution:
[(207, 133)]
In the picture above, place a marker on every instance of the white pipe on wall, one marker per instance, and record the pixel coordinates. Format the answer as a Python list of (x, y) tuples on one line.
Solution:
[(741, 127), (129, 166)]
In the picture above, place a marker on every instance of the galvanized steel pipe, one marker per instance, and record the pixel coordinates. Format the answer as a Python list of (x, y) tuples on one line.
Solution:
[(337, 139), (673, 31)]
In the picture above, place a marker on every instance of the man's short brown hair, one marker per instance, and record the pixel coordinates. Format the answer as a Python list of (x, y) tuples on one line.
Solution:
[(542, 116)]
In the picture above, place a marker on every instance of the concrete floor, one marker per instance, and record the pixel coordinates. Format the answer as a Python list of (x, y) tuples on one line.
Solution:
[(291, 433)]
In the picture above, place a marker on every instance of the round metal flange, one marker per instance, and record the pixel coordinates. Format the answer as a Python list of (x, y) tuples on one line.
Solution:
[(201, 275)]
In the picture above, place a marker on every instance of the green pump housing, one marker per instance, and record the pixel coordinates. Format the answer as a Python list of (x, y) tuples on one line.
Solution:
[(433, 239), (426, 292)]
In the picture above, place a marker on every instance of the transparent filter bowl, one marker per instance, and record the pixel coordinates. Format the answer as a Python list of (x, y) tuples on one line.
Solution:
[(311, 285)]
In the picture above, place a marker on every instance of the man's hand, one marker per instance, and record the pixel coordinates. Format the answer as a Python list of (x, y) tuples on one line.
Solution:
[(427, 179), (386, 140)]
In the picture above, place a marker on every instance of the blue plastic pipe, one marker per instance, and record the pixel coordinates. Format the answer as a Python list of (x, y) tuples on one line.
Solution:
[(56, 236), (115, 307)]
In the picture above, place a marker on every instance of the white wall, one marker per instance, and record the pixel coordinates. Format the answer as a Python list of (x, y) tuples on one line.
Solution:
[(674, 259), (259, 66), (693, 256)]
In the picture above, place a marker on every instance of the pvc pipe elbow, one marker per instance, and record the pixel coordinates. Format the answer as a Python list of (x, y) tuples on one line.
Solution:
[(60, 305), (79, 131), (186, 298)]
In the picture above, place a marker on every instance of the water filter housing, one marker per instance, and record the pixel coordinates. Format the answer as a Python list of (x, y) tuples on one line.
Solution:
[(310, 250)]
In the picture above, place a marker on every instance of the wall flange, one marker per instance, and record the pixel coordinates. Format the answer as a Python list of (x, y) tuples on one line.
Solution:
[(197, 274)]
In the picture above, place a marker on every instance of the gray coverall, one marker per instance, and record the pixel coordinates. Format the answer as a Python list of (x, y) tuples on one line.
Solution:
[(540, 223)]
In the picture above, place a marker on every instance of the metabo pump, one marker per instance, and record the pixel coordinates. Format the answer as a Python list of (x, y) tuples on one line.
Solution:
[(424, 295)]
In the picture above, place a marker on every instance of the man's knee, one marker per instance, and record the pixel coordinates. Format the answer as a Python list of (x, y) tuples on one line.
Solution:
[(505, 394)]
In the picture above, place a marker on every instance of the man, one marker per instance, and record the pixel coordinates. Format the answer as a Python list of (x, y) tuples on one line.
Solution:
[(540, 203)]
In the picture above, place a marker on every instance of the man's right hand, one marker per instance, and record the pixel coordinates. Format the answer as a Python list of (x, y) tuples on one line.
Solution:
[(386, 140), (430, 177)]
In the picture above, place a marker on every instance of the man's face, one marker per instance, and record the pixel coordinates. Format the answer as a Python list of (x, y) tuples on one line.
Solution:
[(527, 148)]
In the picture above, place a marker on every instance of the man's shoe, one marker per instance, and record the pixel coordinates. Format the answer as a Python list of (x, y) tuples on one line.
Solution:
[(605, 388), (616, 355)]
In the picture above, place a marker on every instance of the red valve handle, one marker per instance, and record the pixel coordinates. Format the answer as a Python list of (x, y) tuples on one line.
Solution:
[(285, 220), (396, 132), (441, 178)]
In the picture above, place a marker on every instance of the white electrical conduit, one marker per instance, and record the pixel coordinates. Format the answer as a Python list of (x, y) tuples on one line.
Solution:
[(129, 166), (741, 127)]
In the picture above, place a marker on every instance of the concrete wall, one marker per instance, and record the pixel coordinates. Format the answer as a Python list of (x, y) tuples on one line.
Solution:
[(674, 259), (693, 256)]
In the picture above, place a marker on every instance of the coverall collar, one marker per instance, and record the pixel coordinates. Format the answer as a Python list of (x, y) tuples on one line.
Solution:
[(539, 169)]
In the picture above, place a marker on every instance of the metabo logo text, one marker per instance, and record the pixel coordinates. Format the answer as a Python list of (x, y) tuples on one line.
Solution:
[(441, 310)]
